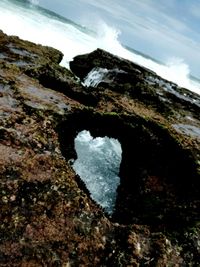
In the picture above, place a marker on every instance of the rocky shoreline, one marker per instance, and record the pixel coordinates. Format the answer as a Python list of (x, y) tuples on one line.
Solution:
[(47, 216)]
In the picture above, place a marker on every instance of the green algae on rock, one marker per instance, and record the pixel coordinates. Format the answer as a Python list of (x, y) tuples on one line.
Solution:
[(47, 216)]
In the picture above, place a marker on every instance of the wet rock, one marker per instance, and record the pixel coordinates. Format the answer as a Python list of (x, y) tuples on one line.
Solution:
[(47, 216), (137, 82)]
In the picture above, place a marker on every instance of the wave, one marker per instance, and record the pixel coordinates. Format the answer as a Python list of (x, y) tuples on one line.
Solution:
[(34, 2), (175, 69), (30, 22)]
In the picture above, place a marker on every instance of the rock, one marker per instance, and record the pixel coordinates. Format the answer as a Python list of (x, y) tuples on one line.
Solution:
[(47, 216)]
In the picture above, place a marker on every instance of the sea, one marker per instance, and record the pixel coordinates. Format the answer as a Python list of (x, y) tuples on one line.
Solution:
[(30, 21)]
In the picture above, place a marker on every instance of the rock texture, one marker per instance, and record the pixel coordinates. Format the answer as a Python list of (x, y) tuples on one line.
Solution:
[(47, 217)]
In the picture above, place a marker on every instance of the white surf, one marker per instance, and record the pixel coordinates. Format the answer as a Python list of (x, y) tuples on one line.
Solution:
[(32, 23)]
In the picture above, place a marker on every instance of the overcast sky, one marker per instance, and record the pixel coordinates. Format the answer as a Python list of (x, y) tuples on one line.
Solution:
[(163, 29)]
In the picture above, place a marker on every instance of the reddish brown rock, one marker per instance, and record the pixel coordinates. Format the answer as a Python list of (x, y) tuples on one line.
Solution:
[(47, 217)]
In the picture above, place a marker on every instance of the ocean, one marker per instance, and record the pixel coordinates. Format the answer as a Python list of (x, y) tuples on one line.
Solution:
[(29, 21)]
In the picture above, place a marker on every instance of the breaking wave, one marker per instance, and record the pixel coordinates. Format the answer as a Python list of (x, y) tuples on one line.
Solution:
[(41, 26)]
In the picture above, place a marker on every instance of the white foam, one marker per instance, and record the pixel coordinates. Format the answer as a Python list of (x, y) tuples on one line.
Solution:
[(94, 77), (98, 75), (31, 25), (98, 165)]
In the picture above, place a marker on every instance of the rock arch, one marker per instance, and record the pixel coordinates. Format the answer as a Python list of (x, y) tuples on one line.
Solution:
[(157, 174)]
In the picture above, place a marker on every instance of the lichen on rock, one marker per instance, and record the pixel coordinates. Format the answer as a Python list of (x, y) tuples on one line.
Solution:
[(47, 215)]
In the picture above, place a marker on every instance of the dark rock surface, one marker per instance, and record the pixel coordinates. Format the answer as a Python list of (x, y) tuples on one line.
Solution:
[(47, 217)]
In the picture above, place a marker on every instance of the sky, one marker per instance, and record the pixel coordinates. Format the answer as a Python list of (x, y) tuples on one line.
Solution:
[(164, 29)]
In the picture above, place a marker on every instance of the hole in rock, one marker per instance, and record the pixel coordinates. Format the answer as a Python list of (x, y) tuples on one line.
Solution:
[(158, 180), (97, 164)]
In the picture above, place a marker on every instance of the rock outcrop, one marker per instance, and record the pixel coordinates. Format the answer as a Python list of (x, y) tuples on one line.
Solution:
[(47, 216)]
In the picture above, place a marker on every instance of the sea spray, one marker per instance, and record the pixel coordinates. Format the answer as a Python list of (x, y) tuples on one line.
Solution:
[(98, 75), (94, 77), (98, 166), (38, 26)]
